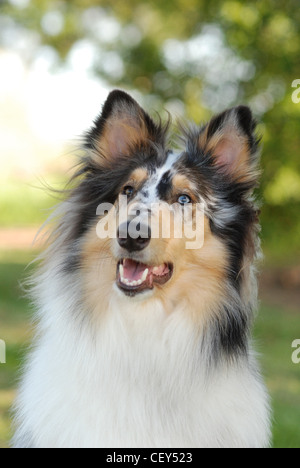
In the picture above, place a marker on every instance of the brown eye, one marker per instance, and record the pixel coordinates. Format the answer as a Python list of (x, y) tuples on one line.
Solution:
[(128, 191)]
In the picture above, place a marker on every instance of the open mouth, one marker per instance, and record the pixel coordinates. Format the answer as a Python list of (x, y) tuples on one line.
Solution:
[(134, 277)]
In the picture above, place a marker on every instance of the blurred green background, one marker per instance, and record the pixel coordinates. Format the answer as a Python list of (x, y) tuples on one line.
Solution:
[(58, 61)]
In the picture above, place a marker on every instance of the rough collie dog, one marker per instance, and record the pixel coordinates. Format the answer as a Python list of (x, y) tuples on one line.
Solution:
[(141, 341)]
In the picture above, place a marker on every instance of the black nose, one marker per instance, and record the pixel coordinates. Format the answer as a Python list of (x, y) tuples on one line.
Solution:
[(134, 237)]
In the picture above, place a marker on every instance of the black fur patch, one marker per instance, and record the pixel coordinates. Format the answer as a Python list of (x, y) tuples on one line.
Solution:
[(165, 186), (231, 331)]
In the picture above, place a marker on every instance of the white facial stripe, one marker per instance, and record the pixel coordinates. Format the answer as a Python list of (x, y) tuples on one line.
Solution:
[(152, 184)]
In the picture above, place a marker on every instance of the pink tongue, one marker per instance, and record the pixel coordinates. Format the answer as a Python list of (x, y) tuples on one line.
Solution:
[(133, 271)]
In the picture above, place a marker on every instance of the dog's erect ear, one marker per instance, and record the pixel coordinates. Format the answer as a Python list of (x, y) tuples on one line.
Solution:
[(122, 127), (230, 140)]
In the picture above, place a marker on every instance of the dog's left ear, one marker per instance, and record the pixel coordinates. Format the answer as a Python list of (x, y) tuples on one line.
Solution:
[(230, 140)]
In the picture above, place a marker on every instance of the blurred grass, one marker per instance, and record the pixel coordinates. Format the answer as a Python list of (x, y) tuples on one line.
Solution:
[(274, 332), (23, 205), (15, 331)]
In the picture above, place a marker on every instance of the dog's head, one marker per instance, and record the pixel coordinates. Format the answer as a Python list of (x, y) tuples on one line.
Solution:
[(139, 191)]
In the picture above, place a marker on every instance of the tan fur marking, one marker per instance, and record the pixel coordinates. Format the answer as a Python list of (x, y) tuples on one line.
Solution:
[(139, 176), (181, 184), (199, 276)]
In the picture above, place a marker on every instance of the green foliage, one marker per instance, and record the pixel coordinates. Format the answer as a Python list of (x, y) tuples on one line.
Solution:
[(192, 56)]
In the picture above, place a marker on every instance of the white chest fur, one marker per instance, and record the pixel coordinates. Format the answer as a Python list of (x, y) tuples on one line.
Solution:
[(139, 380)]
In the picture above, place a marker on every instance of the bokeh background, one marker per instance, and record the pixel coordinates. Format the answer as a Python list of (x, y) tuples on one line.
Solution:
[(58, 61)]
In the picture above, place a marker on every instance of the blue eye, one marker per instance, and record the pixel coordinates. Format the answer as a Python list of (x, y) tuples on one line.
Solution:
[(128, 191), (184, 200)]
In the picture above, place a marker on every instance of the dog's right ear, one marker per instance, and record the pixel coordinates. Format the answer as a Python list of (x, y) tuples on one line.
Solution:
[(122, 128)]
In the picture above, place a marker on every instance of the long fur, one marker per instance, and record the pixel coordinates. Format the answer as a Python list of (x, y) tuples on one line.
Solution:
[(170, 368)]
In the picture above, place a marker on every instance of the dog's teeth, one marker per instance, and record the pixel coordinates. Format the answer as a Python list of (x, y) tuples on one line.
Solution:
[(155, 270), (145, 274), (132, 283)]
